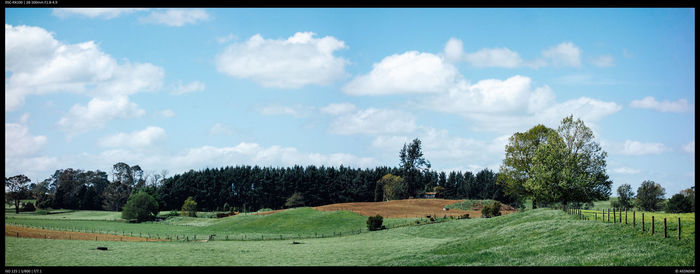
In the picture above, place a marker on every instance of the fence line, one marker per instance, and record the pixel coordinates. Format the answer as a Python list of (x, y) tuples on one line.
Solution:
[(579, 214)]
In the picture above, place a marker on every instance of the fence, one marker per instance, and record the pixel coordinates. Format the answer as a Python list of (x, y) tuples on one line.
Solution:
[(617, 218)]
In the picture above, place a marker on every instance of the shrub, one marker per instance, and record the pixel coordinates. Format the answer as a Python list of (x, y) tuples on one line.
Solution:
[(140, 206), (465, 216), (375, 222), (42, 212), (28, 207), (227, 207), (491, 210), (189, 208), (296, 200)]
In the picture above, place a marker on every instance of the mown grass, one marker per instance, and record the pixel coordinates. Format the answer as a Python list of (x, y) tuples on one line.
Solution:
[(634, 220), (541, 237)]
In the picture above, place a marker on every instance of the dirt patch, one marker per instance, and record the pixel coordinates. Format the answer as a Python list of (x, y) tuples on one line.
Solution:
[(29, 232), (269, 212), (410, 208)]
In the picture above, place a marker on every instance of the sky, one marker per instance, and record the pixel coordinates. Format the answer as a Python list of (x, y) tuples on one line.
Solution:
[(180, 89)]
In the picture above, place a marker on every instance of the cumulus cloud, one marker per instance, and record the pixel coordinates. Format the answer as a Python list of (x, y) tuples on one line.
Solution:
[(104, 13), (564, 54), (454, 50), (639, 148), (410, 72), (176, 17), (136, 139), (298, 61), (665, 106), (194, 86), (97, 113), (19, 142), (373, 121)]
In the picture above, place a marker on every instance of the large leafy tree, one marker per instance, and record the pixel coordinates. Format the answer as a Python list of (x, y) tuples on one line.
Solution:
[(650, 196), (16, 188), (141, 206), (516, 167), (569, 167), (393, 187), (412, 165)]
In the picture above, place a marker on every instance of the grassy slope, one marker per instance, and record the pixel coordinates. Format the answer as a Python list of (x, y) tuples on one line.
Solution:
[(535, 237)]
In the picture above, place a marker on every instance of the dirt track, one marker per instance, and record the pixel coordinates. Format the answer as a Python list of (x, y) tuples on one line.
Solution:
[(411, 208), (28, 232)]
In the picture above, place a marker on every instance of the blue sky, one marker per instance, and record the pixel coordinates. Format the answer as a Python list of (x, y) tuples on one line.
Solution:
[(182, 89)]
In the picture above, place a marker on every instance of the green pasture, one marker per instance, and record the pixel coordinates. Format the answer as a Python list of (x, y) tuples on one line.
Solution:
[(541, 237)]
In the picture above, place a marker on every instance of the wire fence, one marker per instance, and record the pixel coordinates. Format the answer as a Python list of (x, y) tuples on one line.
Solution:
[(646, 224)]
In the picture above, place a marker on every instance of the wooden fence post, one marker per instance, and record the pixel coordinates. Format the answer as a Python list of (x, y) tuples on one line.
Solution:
[(642, 221), (679, 228), (608, 215), (625, 216), (634, 219), (665, 233), (652, 225), (614, 217)]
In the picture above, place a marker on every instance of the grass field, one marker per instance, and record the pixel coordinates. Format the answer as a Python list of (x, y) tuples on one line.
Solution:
[(541, 237)]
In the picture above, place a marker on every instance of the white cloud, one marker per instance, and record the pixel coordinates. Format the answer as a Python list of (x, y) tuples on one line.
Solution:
[(495, 57), (176, 17), (493, 96), (373, 121), (105, 13), (690, 147), (564, 54), (166, 113), (639, 148), (410, 72), (19, 142), (626, 170), (39, 64), (195, 86), (665, 106), (453, 50), (293, 63), (339, 108), (603, 61), (296, 111), (220, 129), (135, 139), (97, 113)]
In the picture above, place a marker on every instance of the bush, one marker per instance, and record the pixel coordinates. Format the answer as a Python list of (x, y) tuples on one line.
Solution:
[(189, 208), (465, 216), (140, 206), (227, 207), (679, 204), (491, 210), (375, 222), (28, 207), (42, 212)]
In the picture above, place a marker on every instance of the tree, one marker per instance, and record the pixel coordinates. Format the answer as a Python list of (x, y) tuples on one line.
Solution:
[(141, 206), (516, 167), (569, 167), (393, 187), (297, 199), (439, 191), (189, 208), (625, 196), (650, 196), (678, 204), (690, 195), (412, 164), (16, 188)]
